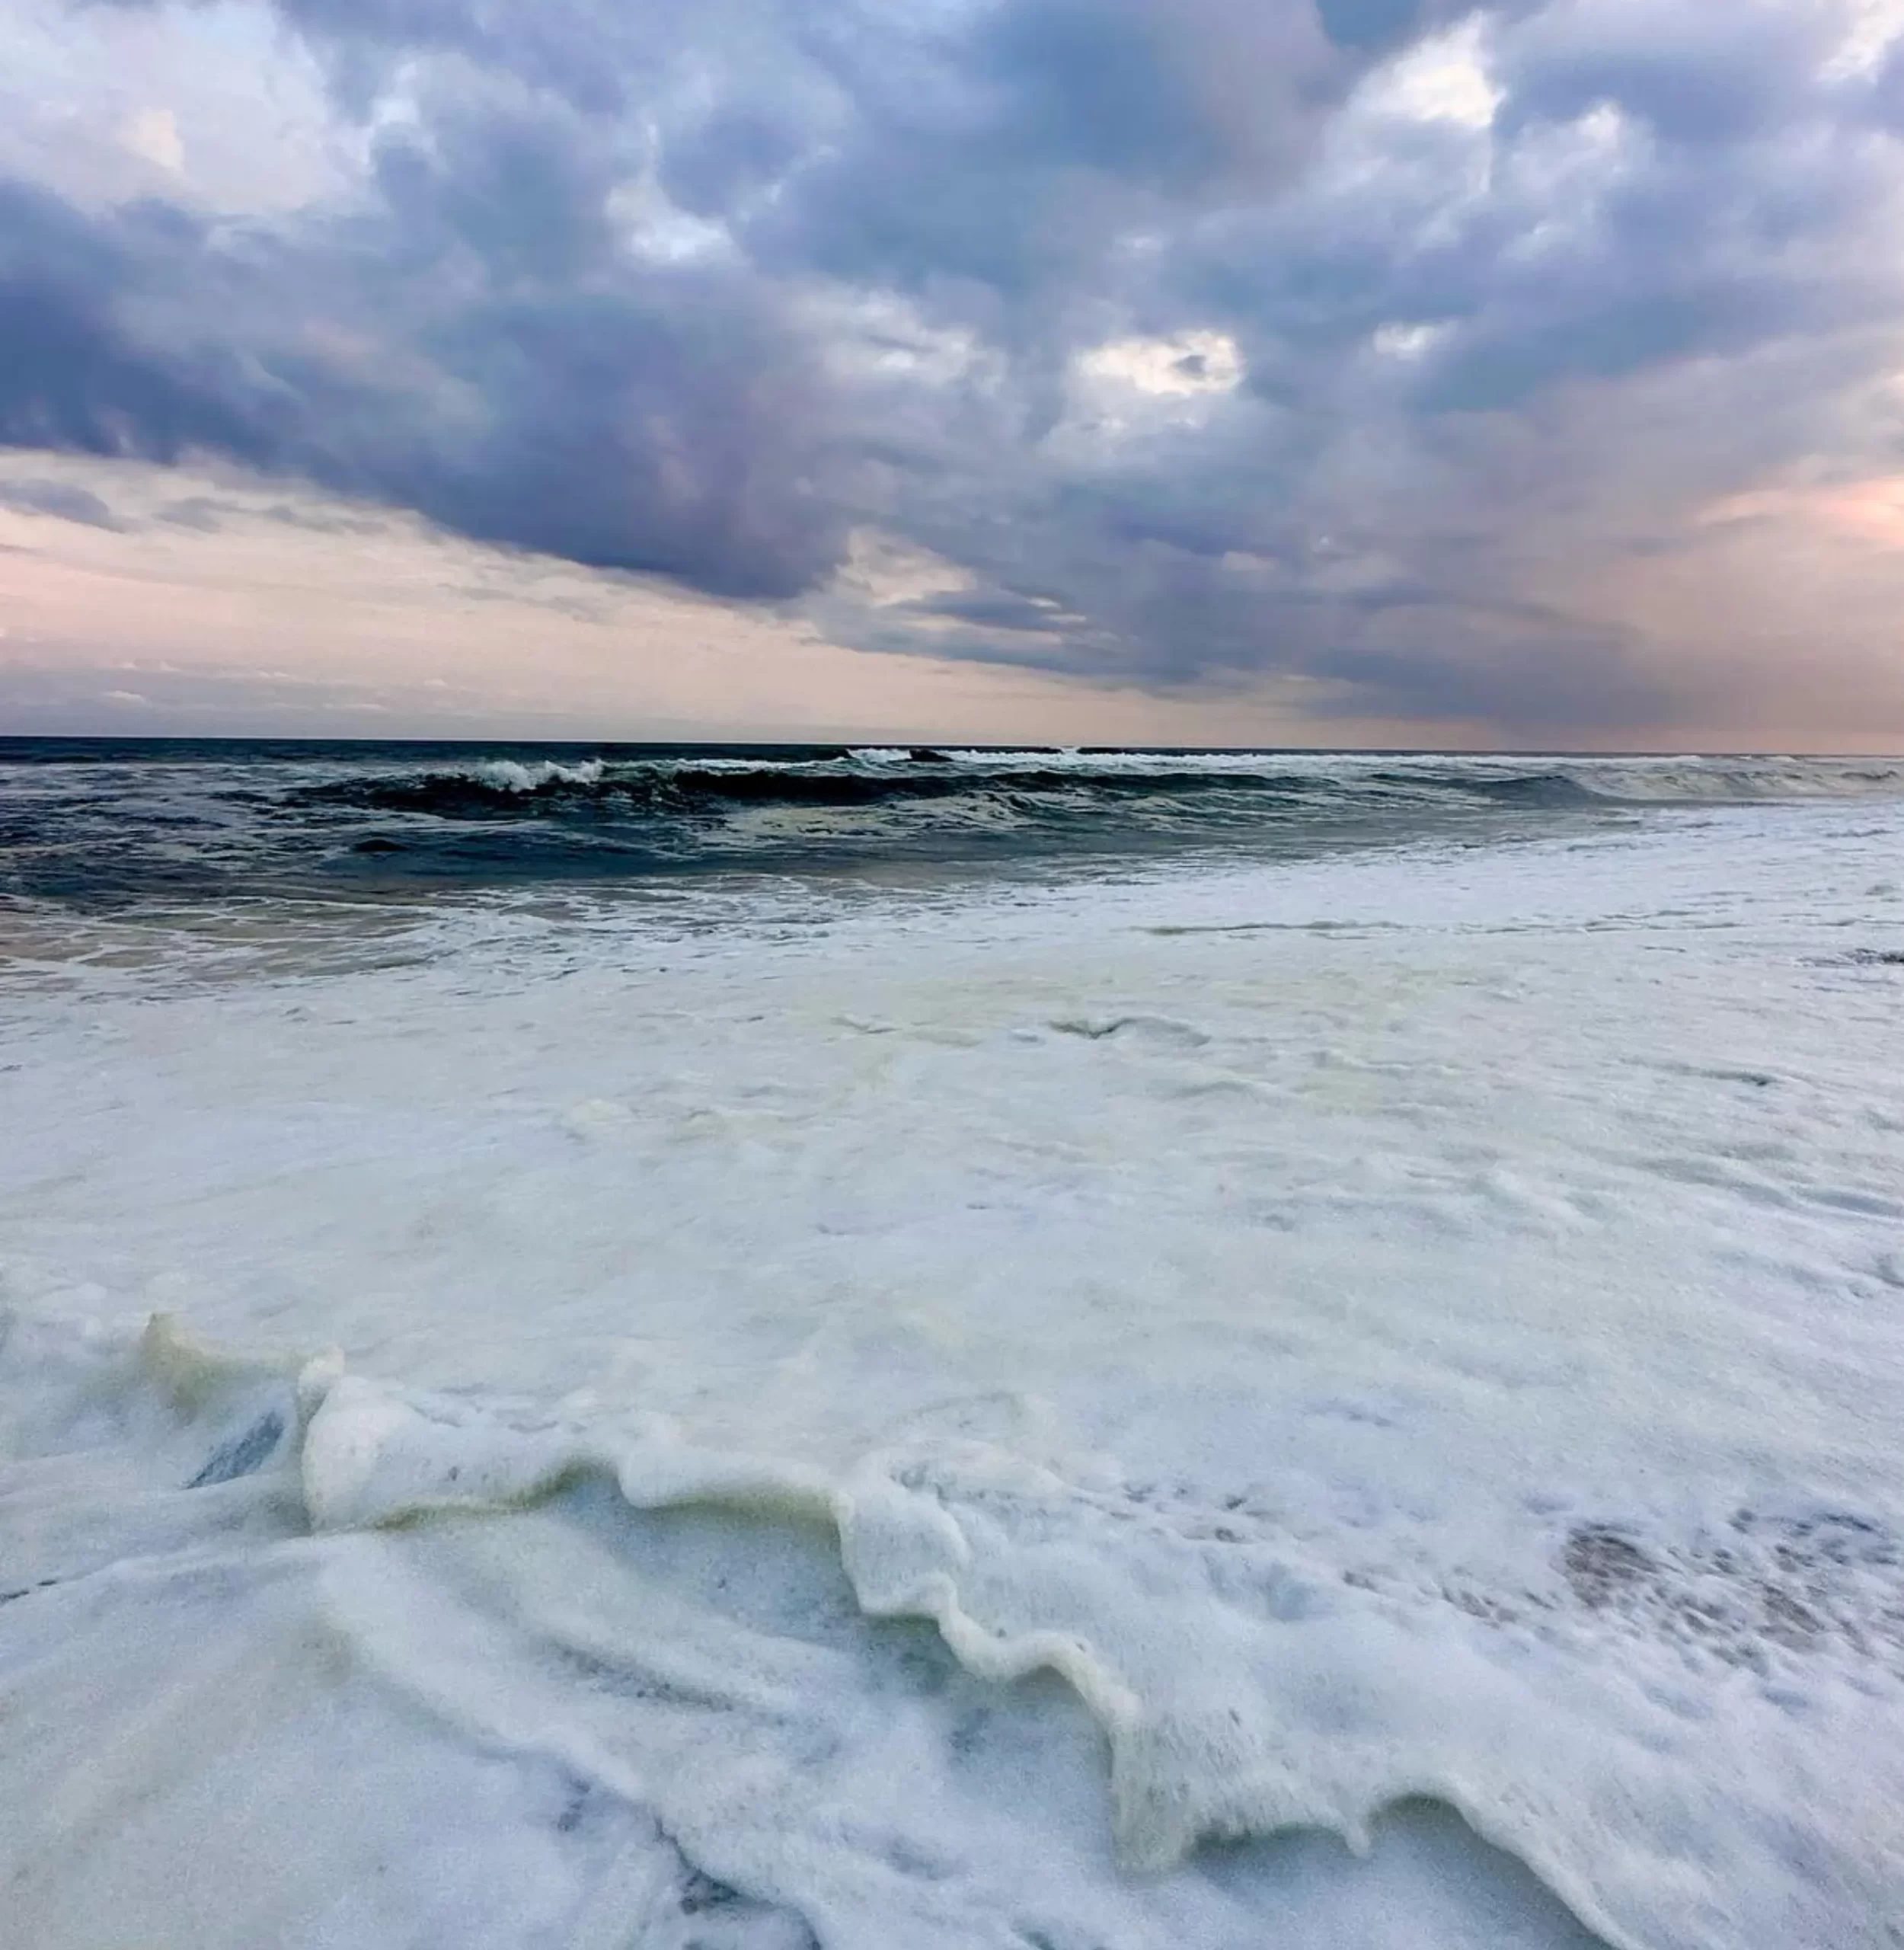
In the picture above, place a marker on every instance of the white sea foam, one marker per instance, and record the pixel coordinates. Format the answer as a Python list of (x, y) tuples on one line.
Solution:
[(913, 1428), (512, 775)]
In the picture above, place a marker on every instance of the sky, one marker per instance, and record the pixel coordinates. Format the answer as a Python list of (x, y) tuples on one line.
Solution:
[(1234, 371)]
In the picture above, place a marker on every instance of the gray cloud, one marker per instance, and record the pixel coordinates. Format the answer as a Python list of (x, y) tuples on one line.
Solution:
[(203, 514), (1368, 23), (75, 372), (699, 290), (59, 498)]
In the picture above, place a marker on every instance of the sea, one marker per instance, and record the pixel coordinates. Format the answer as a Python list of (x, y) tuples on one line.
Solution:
[(642, 1347)]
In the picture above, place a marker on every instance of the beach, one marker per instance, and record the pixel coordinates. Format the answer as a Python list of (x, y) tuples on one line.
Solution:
[(594, 1359)]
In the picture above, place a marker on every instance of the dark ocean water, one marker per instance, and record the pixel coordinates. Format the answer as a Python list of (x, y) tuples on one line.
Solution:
[(109, 823)]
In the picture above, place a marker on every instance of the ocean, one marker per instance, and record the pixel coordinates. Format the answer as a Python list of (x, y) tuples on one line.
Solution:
[(733, 1348)]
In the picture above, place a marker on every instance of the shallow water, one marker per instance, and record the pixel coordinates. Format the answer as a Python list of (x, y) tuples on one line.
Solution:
[(1322, 1393)]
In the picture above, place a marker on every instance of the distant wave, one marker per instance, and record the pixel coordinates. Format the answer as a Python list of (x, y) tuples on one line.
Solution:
[(512, 790), (1071, 783), (560, 816), (115, 820)]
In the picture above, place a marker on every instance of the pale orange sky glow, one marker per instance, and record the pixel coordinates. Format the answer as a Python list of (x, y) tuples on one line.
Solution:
[(374, 626), (297, 616)]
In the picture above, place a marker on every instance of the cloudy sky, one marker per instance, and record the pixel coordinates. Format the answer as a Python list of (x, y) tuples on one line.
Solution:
[(1297, 371)]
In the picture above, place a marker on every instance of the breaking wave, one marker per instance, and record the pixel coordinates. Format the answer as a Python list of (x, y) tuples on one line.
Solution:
[(1116, 783), (113, 822)]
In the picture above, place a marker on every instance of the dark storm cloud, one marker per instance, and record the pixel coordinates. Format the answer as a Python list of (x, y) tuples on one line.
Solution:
[(468, 346), (1039, 132), (75, 373), (701, 289)]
